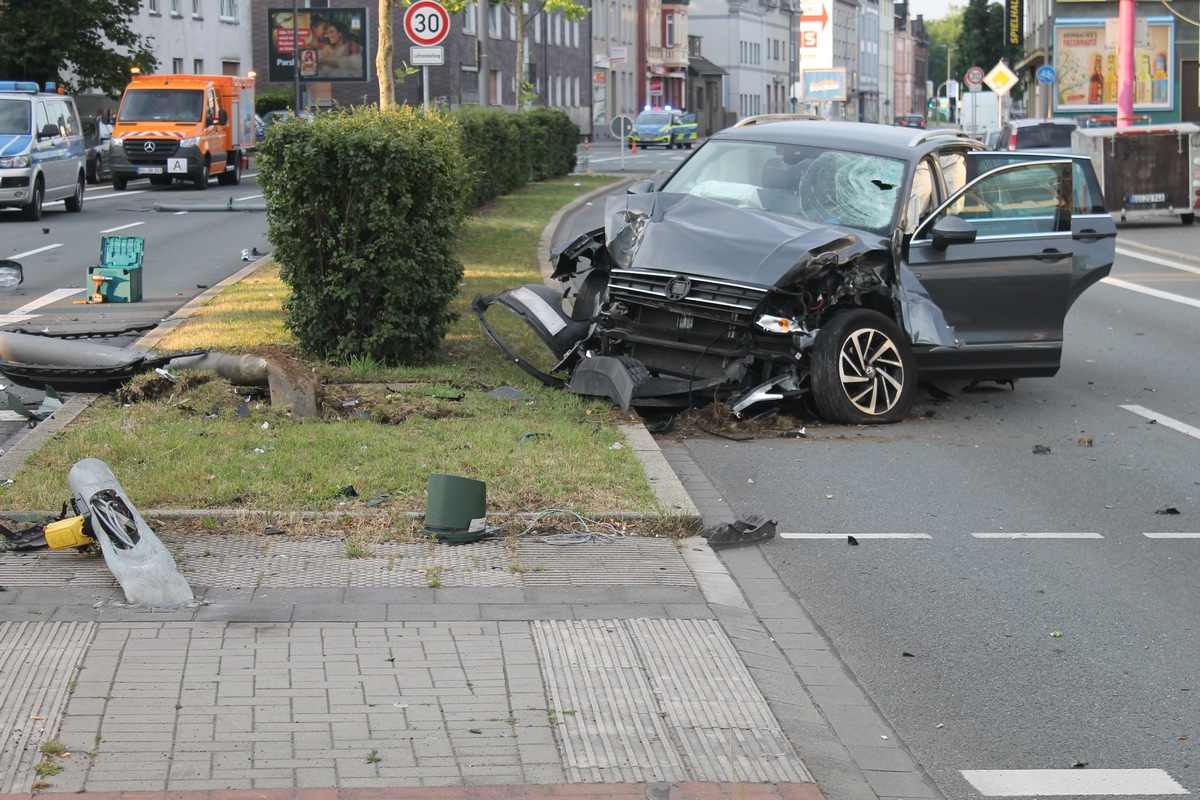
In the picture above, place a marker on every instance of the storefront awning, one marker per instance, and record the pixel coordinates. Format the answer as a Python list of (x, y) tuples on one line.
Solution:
[(1034, 59)]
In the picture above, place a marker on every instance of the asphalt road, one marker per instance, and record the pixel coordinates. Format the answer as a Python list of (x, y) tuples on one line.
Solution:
[(1074, 644), (185, 253)]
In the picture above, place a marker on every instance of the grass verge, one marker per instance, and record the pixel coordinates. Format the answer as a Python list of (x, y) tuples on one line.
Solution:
[(200, 443)]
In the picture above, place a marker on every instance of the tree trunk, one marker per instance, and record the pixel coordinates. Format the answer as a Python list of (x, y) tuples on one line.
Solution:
[(383, 58)]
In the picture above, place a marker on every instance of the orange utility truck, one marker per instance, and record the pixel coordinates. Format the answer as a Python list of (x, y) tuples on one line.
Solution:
[(183, 126)]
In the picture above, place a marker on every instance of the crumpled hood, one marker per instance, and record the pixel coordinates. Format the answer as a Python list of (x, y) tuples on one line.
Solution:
[(698, 236)]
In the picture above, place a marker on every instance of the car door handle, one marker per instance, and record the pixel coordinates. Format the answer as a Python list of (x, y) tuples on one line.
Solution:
[(1050, 255), (1089, 235)]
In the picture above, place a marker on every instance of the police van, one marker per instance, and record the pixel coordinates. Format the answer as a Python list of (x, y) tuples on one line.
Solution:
[(42, 155)]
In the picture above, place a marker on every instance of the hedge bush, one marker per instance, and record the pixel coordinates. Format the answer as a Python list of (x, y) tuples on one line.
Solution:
[(364, 210), (506, 150), (273, 99)]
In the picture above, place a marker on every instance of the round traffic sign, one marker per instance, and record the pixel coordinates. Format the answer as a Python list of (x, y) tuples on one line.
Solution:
[(974, 76), (621, 127), (426, 23), (1046, 75)]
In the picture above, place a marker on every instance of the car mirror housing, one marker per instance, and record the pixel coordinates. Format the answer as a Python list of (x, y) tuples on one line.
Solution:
[(641, 187), (952, 230)]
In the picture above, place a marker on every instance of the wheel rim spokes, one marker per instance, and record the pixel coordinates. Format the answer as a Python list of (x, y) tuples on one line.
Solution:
[(871, 371)]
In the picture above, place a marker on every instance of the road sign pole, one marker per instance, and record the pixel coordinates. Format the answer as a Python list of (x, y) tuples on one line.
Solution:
[(425, 86)]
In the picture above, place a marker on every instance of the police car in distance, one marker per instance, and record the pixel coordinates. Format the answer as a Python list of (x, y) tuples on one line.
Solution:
[(42, 153), (666, 126)]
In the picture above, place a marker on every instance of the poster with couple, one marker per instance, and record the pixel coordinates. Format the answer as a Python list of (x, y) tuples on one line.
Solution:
[(330, 43)]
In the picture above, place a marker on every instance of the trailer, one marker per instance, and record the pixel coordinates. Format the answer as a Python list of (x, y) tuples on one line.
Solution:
[(1146, 171)]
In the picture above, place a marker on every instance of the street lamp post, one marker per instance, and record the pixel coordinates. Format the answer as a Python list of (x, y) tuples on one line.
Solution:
[(949, 52)]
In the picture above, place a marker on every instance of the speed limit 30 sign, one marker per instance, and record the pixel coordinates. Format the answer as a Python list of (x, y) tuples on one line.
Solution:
[(426, 23)]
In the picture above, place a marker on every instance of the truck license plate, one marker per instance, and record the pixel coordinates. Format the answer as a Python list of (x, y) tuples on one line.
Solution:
[(149, 170), (1156, 197)]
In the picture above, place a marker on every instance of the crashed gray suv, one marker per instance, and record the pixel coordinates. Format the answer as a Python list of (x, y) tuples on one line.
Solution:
[(807, 260)]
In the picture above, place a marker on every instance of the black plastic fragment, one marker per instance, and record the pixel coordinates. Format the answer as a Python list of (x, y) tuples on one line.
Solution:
[(750, 530)]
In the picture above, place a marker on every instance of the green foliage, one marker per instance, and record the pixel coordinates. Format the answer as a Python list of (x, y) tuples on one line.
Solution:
[(47, 40), (537, 145), (274, 98), (364, 210)]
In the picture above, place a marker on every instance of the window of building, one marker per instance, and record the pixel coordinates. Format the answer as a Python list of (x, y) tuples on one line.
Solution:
[(175, 12), (470, 17), (198, 66), (495, 23), (495, 87), (537, 28), (151, 6), (670, 32), (512, 27), (575, 35), (177, 66), (229, 10), (196, 11)]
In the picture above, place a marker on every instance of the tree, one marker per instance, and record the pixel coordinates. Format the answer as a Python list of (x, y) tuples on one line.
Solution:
[(80, 44), (984, 39), (524, 13)]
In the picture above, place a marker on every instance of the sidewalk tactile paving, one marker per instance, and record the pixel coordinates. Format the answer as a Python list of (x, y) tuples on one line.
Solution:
[(233, 561), (37, 671), (659, 700)]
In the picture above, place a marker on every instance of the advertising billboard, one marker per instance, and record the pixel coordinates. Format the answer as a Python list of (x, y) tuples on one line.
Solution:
[(1086, 63), (823, 84), (332, 44)]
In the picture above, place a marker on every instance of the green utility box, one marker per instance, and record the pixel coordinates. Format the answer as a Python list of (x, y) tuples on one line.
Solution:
[(118, 277)]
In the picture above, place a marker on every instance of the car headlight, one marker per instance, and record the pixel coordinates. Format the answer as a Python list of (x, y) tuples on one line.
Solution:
[(117, 141), (190, 142), (14, 162), (772, 324)]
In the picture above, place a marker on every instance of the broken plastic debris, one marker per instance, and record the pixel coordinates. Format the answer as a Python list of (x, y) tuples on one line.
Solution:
[(1041, 449), (850, 540), (525, 437), (1078, 764), (1057, 634), (751, 530), (800, 433), (400, 705), (1084, 441), (510, 393), (1170, 510), (270, 531), (615, 446), (347, 491)]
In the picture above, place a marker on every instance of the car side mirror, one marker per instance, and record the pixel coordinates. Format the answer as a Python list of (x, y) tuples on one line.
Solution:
[(49, 131), (952, 230), (641, 187), (223, 117)]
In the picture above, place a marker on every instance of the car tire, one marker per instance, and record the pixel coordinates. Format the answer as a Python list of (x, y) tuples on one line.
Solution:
[(235, 177), (32, 212), (863, 370), (202, 180), (119, 184), (93, 172), (74, 203), (1187, 219)]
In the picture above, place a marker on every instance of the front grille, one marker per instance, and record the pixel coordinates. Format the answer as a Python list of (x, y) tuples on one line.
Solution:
[(15, 182), (694, 336), (650, 286), (135, 149)]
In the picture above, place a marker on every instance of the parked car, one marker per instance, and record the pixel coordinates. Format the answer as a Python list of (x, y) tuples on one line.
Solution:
[(910, 121), (97, 137), (41, 149), (260, 130), (1047, 135), (839, 262)]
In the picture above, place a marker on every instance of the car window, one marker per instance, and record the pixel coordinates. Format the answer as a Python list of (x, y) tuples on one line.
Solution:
[(856, 190), (14, 117), (1017, 200), (1044, 136), (1086, 195), (42, 119)]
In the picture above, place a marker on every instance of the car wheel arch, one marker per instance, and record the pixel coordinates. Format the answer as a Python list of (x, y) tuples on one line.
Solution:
[(863, 369)]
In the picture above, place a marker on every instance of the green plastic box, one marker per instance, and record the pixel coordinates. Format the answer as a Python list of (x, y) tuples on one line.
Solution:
[(121, 264)]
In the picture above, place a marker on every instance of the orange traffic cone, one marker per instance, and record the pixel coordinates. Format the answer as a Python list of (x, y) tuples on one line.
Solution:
[(633, 145)]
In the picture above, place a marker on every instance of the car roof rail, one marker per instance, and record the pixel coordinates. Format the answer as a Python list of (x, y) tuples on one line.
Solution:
[(759, 119), (935, 133)]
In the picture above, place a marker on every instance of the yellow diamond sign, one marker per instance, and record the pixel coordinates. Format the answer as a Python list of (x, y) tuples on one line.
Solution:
[(1001, 79)]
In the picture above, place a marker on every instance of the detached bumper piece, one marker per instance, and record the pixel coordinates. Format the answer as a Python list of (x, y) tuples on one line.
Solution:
[(750, 530)]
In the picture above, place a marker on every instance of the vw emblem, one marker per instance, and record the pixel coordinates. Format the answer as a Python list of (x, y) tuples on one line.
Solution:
[(148, 147), (678, 288)]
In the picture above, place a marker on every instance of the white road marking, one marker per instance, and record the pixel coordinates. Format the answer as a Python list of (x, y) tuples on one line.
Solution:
[(249, 197), (24, 313), (115, 195), (1040, 535), (1044, 782), (1173, 424), (855, 535), (123, 227), (1161, 295), (1172, 535), (35, 252), (179, 213), (12, 416), (1160, 261)]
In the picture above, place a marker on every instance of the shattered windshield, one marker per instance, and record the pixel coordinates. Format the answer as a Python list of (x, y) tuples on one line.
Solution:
[(833, 187)]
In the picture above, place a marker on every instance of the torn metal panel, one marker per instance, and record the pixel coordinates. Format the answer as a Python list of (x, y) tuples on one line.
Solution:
[(924, 321)]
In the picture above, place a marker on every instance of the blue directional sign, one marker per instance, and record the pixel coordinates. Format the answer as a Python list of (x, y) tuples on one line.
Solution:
[(1046, 75)]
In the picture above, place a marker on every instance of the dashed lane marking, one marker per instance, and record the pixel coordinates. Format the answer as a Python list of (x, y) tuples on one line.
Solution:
[(25, 312), (1172, 535), (1077, 782), (1160, 419), (1161, 295), (1037, 535), (855, 535), (35, 252), (1162, 262), (123, 227)]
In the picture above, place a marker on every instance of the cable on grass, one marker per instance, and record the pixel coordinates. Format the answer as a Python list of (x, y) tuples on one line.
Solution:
[(579, 529)]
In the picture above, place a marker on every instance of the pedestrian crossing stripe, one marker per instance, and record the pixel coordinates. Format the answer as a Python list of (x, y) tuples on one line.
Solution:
[(1077, 782)]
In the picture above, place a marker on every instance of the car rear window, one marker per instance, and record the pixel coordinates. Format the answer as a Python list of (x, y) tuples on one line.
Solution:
[(1044, 136)]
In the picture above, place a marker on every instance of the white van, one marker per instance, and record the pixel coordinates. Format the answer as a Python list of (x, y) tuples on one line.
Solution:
[(42, 155)]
